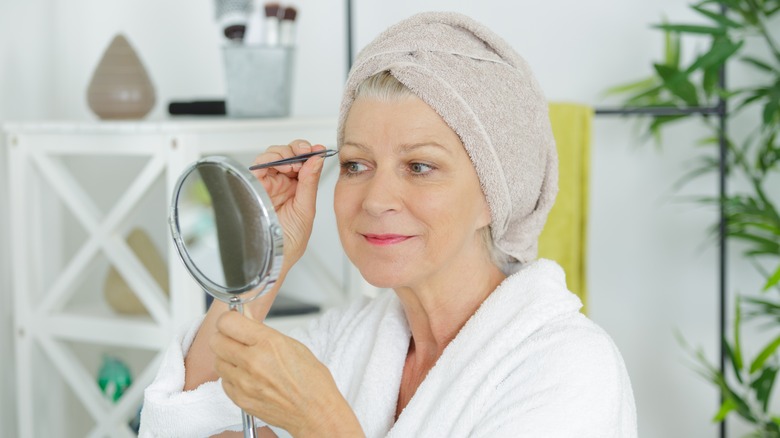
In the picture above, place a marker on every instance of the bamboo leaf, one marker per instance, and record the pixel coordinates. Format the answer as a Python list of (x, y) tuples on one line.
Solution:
[(692, 28), (763, 309), (677, 82), (741, 406), (751, 99), (727, 406), (763, 386), (636, 86), (770, 111), (709, 80), (731, 4), (737, 346), (765, 354), (719, 18), (643, 96), (759, 64), (659, 121), (706, 165), (710, 373), (761, 242), (736, 363), (773, 280), (672, 48), (720, 51)]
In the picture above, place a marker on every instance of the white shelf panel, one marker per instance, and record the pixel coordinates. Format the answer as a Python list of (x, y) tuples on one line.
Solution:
[(115, 331), (194, 125)]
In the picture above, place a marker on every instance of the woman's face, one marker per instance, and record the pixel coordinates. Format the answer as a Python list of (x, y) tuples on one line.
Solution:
[(408, 201)]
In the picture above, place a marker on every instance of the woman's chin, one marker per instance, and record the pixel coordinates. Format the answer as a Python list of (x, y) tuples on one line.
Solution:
[(385, 279), (380, 281)]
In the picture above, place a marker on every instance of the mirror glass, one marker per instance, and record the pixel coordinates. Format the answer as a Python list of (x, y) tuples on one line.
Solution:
[(225, 230)]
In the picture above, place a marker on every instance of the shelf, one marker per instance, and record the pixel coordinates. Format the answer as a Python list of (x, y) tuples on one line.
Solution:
[(58, 311), (177, 126)]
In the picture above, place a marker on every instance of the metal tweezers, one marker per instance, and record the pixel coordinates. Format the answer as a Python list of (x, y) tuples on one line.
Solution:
[(296, 159)]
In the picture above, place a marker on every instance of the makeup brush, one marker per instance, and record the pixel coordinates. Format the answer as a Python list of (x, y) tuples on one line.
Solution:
[(272, 24), (254, 26), (232, 16), (287, 27)]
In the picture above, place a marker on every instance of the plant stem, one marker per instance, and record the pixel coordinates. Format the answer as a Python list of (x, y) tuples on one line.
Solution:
[(769, 40)]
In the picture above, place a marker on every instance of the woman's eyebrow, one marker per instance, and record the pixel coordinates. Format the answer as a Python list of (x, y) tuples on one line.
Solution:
[(355, 144), (425, 144), (403, 148)]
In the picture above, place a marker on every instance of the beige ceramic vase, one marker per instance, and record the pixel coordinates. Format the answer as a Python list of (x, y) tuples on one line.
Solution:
[(120, 87)]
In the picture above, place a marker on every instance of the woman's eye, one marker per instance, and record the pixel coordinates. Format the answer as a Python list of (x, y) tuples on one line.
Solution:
[(420, 168), (352, 167)]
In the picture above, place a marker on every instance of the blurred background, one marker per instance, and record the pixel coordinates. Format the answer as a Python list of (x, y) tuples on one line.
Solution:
[(652, 266)]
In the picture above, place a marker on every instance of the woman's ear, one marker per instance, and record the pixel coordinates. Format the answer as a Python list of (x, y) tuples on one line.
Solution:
[(484, 218)]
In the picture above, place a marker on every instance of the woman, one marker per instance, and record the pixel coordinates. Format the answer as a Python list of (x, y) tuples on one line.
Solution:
[(448, 171)]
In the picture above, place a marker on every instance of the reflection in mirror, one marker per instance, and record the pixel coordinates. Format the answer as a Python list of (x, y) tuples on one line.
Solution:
[(222, 226), (226, 230)]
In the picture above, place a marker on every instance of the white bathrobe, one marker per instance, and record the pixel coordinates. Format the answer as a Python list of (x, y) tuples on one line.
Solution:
[(526, 364)]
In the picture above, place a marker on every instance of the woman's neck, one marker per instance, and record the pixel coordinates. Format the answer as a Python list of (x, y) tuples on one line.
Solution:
[(437, 310)]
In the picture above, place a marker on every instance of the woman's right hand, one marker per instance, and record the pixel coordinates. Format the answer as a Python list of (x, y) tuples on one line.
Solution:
[(293, 192), (292, 189)]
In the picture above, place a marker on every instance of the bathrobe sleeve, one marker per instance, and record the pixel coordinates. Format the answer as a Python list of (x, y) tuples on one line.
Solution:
[(573, 386), (168, 411)]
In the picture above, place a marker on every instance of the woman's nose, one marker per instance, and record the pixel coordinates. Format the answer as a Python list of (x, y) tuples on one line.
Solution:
[(382, 193)]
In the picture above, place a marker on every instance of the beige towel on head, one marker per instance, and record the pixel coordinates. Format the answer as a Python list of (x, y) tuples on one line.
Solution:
[(487, 94)]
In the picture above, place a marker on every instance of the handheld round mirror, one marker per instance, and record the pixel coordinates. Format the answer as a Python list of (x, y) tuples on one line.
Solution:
[(227, 234), (226, 230)]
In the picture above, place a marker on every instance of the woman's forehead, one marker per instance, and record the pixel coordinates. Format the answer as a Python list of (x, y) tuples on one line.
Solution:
[(409, 123)]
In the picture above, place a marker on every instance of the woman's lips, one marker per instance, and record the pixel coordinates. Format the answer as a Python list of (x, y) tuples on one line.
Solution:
[(385, 239)]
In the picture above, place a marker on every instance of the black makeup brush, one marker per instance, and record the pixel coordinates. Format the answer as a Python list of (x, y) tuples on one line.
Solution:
[(232, 16)]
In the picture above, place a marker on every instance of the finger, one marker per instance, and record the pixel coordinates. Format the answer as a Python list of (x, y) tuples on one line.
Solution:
[(294, 148), (308, 180), (238, 327), (300, 146), (231, 391), (227, 349), (274, 153), (224, 369)]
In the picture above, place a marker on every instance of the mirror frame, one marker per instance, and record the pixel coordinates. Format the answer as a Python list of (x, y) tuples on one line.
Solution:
[(272, 265)]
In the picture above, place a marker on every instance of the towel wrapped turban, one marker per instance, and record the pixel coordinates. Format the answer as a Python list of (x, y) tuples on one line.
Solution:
[(488, 95)]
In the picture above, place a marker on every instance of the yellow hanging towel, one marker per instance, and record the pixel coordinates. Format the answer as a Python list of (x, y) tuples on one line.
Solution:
[(564, 235)]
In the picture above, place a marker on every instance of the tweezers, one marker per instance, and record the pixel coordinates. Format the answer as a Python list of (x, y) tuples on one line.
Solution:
[(296, 159)]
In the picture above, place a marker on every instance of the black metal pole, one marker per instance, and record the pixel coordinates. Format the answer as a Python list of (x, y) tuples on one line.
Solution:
[(350, 49), (658, 111), (723, 174)]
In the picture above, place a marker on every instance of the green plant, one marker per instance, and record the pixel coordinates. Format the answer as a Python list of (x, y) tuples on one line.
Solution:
[(753, 159)]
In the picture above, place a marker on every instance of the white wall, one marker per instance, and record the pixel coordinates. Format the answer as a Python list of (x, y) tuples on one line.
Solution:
[(178, 42), (26, 81), (651, 268)]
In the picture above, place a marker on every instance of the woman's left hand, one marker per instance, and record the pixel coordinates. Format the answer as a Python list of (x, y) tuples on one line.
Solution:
[(278, 380)]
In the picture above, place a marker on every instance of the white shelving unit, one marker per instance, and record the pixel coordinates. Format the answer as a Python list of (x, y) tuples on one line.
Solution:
[(64, 236)]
